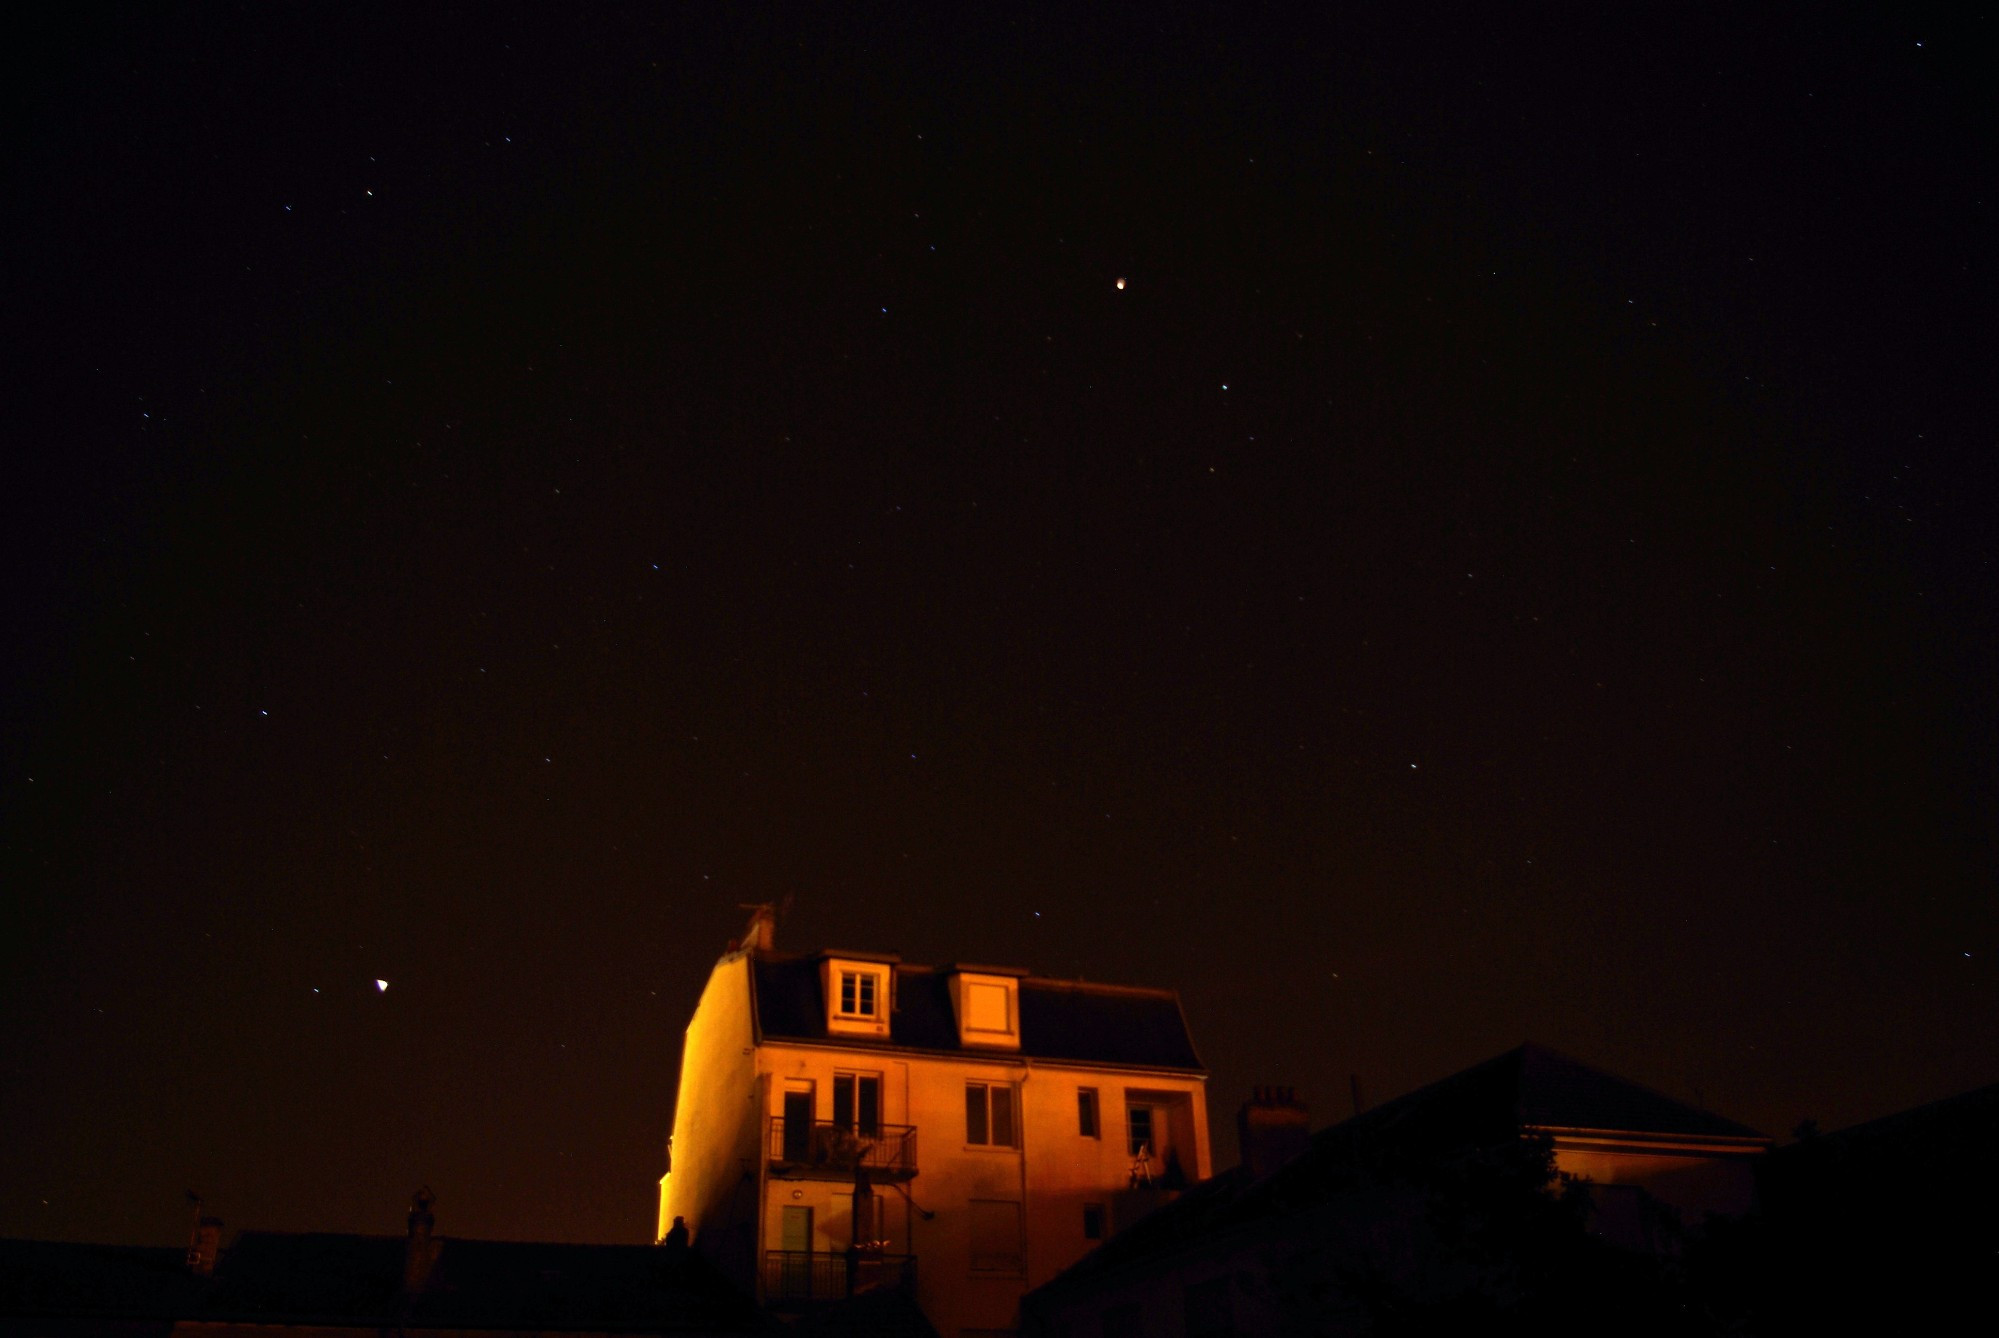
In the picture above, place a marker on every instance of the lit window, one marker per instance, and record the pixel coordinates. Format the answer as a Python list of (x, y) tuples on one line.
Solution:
[(989, 1115), (1086, 1112), (1141, 1130), (857, 994)]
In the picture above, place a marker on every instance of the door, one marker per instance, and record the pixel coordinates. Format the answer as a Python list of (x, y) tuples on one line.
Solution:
[(794, 1277), (797, 1126), (796, 1234)]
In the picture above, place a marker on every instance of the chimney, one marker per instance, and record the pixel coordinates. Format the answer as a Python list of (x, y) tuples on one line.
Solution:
[(1273, 1127), (420, 1252), (761, 936), (204, 1243)]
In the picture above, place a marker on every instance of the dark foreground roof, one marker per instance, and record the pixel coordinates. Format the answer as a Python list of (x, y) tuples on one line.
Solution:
[(123, 1282), (1946, 1150), (1534, 1087), (1486, 1105), (1059, 1019), (889, 1313), (356, 1281)]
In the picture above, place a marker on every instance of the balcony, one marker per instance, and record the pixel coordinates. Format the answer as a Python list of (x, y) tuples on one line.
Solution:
[(823, 1150), (792, 1277)]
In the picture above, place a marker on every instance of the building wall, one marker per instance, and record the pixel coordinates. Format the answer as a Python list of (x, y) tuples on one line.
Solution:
[(1054, 1172), (1693, 1184), (714, 1135)]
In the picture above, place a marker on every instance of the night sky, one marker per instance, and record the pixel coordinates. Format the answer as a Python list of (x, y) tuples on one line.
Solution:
[(487, 491)]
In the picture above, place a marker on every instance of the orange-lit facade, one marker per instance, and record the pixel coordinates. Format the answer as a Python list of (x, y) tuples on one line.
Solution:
[(851, 1121)]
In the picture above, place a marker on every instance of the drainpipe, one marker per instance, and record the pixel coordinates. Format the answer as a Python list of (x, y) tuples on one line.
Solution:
[(1020, 1119)]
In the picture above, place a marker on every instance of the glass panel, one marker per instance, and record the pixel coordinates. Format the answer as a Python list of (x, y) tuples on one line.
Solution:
[(1086, 1111), (869, 1105), (797, 1125), (1141, 1129), (1003, 1117), (975, 1112), (843, 1101)]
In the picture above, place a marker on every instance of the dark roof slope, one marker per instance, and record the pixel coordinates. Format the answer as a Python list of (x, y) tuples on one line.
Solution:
[(1059, 1019), (356, 1281), (1483, 1106), (1945, 1150), (1535, 1086), (59, 1277), (475, 1283)]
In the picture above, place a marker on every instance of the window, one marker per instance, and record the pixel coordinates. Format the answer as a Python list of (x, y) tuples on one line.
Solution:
[(989, 1115), (857, 1102), (1140, 1124), (1093, 1221), (998, 1245), (1207, 1306), (857, 994), (1086, 1112)]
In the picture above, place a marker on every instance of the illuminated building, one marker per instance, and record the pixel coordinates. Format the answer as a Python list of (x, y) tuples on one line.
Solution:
[(847, 1122)]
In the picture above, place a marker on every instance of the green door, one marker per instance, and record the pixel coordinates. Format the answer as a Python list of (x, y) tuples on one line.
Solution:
[(794, 1270), (797, 1230)]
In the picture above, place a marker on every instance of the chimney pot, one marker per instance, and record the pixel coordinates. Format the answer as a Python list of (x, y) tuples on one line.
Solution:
[(1273, 1127), (420, 1252), (204, 1246)]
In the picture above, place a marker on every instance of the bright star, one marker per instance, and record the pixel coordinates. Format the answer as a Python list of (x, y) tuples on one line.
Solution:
[(381, 987)]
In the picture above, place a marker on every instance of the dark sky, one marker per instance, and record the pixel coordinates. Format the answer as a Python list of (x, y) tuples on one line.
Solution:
[(488, 491)]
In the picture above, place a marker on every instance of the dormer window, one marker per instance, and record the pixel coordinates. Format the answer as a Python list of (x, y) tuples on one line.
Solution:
[(859, 995), (987, 1002)]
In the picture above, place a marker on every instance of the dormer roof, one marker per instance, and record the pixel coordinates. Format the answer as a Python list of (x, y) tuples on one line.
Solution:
[(1065, 1021)]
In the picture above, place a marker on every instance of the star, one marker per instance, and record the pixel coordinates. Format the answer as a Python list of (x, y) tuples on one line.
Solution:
[(381, 986)]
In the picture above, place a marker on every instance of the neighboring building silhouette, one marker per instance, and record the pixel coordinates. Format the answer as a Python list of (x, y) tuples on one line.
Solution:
[(850, 1123), (1440, 1199), (1867, 1229), (348, 1286)]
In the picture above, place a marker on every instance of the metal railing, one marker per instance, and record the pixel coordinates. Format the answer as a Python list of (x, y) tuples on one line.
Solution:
[(796, 1275), (823, 1147)]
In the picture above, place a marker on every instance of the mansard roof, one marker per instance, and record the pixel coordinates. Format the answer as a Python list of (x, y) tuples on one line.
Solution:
[(1063, 1020)]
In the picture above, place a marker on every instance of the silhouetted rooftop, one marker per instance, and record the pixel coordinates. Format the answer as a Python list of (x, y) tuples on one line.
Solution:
[(356, 1281), (1488, 1104), (1535, 1087)]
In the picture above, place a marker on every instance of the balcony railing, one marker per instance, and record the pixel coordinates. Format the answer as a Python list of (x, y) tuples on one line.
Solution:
[(820, 1148), (794, 1275)]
